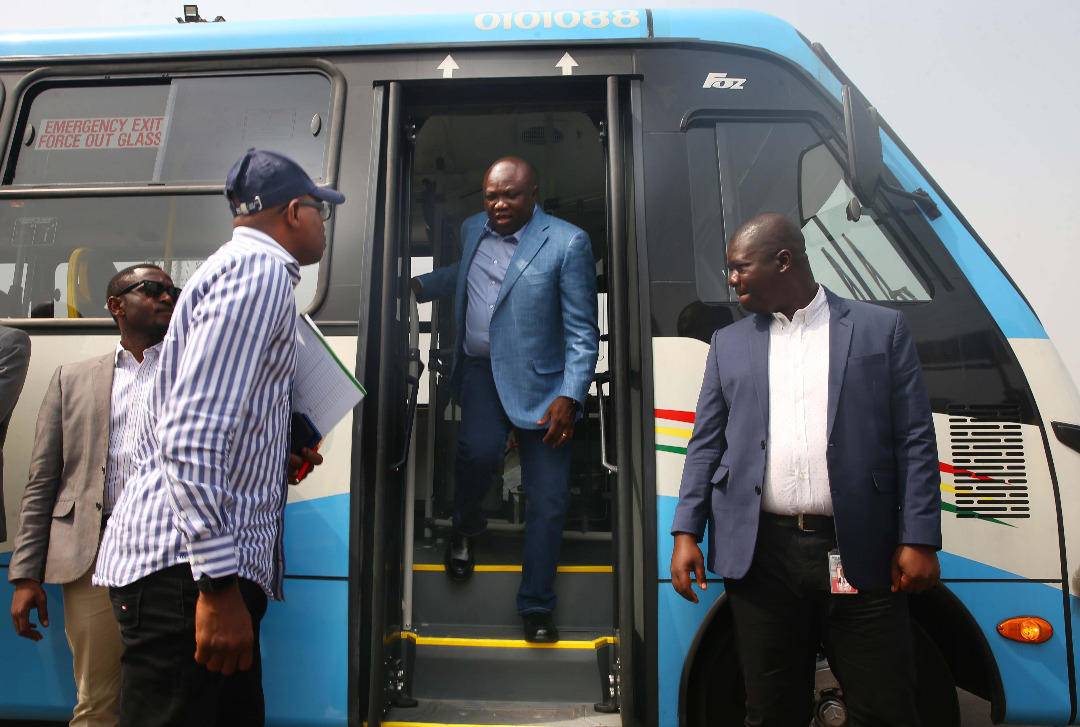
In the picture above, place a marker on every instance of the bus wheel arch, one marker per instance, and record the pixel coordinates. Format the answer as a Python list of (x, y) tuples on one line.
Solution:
[(950, 651)]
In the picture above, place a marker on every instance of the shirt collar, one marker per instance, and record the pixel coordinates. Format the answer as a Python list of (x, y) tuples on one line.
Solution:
[(260, 238), (156, 349), (517, 236), (809, 314)]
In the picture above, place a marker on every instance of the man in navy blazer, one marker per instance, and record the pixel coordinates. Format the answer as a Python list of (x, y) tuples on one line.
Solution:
[(527, 341), (814, 462)]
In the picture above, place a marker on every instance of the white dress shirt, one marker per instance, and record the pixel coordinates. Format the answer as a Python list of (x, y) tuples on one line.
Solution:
[(131, 381), (796, 471)]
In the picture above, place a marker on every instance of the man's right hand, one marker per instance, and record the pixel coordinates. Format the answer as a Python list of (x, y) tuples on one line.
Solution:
[(29, 595), (686, 559), (223, 635)]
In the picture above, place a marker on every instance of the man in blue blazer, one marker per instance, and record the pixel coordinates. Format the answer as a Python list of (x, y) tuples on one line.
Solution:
[(814, 462), (525, 308)]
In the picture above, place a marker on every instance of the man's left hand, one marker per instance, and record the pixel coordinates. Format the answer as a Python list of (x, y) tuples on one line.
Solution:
[(297, 462), (915, 568), (559, 417)]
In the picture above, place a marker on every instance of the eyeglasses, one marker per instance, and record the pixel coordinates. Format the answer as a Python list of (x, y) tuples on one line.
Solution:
[(152, 289), (324, 207)]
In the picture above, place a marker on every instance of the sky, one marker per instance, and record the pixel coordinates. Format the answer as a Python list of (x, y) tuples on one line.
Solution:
[(984, 93)]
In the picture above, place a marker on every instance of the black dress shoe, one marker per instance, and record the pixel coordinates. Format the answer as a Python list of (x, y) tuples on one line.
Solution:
[(459, 557), (540, 628)]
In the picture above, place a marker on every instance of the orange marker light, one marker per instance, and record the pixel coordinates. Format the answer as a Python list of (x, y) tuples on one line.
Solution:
[(1026, 629)]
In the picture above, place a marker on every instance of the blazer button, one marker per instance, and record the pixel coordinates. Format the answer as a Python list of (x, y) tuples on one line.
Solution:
[(763, 444), (757, 489), (97, 505), (102, 469)]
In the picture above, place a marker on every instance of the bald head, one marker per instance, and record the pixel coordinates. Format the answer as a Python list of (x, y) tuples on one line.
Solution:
[(510, 194), (768, 266)]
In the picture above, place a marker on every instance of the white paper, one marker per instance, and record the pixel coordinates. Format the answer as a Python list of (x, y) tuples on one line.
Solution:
[(323, 390)]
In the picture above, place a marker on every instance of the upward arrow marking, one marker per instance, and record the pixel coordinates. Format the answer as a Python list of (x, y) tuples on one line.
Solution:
[(448, 67), (566, 63)]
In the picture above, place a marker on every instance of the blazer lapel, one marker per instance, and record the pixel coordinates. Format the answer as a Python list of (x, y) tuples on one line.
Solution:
[(840, 329), (759, 365), (535, 237), (472, 242)]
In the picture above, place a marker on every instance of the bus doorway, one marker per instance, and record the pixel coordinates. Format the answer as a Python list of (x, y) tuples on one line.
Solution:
[(454, 652)]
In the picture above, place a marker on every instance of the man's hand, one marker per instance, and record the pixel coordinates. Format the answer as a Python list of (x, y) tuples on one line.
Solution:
[(687, 558), (29, 595), (223, 634), (559, 417), (915, 568), (297, 461)]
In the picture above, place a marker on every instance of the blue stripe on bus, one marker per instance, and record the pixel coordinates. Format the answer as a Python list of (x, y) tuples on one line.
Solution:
[(317, 538), (420, 29), (305, 654), (36, 678), (676, 626)]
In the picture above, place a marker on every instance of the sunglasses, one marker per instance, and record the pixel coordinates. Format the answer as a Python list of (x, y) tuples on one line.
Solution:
[(152, 289), (324, 207)]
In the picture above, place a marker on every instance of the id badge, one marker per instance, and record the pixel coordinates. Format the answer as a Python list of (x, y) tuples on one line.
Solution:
[(838, 583)]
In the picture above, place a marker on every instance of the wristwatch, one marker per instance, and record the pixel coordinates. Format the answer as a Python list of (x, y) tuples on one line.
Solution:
[(206, 584)]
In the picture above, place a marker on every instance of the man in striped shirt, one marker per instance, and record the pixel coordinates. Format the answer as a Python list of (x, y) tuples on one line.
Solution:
[(199, 528), (80, 462)]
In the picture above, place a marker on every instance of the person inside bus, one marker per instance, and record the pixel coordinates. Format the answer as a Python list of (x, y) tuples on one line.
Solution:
[(88, 418), (813, 453), (194, 546), (525, 307)]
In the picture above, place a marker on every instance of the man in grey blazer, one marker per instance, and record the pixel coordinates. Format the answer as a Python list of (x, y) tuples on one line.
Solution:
[(14, 361), (77, 468), (814, 462)]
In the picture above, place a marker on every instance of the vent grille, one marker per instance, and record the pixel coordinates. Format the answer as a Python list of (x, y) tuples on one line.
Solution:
[(542, 135), (988, 455)]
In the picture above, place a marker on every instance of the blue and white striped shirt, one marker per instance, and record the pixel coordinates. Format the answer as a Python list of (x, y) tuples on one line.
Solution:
[(210, 485)]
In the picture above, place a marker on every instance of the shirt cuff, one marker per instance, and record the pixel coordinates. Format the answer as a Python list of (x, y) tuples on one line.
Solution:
[(213, 557)]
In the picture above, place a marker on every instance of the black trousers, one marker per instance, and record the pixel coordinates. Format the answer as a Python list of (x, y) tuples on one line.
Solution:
[(783, 610), (161, 683)]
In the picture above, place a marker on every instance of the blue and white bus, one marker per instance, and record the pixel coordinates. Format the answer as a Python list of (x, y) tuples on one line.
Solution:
[(658, 132)]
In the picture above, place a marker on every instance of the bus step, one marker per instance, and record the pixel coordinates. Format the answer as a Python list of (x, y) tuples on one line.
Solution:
[(585, 597), (493, 663), (464, 714)]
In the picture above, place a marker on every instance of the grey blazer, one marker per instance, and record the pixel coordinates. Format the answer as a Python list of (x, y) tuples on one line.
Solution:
[(60, 521), (14, 360)]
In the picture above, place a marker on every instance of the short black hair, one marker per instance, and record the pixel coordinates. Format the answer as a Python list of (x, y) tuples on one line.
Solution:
[(124, 278)]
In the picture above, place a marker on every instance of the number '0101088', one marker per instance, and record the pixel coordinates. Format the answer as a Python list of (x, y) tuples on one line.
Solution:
[(558, 19)]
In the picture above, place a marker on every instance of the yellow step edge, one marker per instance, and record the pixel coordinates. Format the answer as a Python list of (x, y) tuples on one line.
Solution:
[(446, 724), (505, 643), (517, 568)]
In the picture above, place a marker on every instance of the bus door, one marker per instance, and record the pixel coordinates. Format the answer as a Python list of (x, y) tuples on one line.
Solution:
[(434, 649)]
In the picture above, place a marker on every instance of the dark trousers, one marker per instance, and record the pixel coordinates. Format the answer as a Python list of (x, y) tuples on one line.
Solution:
[(783, 610), (161, 683), (545, 474)]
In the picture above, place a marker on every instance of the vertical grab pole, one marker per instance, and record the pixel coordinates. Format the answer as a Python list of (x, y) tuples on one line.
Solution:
[(620, 395)]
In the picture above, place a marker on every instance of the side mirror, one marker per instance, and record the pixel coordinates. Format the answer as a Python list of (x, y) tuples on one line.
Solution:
[(863, 145)]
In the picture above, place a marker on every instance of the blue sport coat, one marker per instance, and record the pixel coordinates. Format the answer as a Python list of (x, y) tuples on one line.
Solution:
[(882, 452), (544, 337)]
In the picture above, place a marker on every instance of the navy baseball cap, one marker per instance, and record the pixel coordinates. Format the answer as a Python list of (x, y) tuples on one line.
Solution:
[(263, 179)]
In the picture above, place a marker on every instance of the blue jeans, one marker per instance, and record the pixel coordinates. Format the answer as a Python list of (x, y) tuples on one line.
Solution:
[(545, 474), (161, 683)]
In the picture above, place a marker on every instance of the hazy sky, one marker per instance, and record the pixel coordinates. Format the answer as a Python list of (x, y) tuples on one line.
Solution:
[(984, 93)]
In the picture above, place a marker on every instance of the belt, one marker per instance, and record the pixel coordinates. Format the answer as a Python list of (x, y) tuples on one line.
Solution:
[(803, 521)]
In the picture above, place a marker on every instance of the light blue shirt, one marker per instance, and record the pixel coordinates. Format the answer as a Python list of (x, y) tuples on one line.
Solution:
[(483, 283), (212, 441)]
